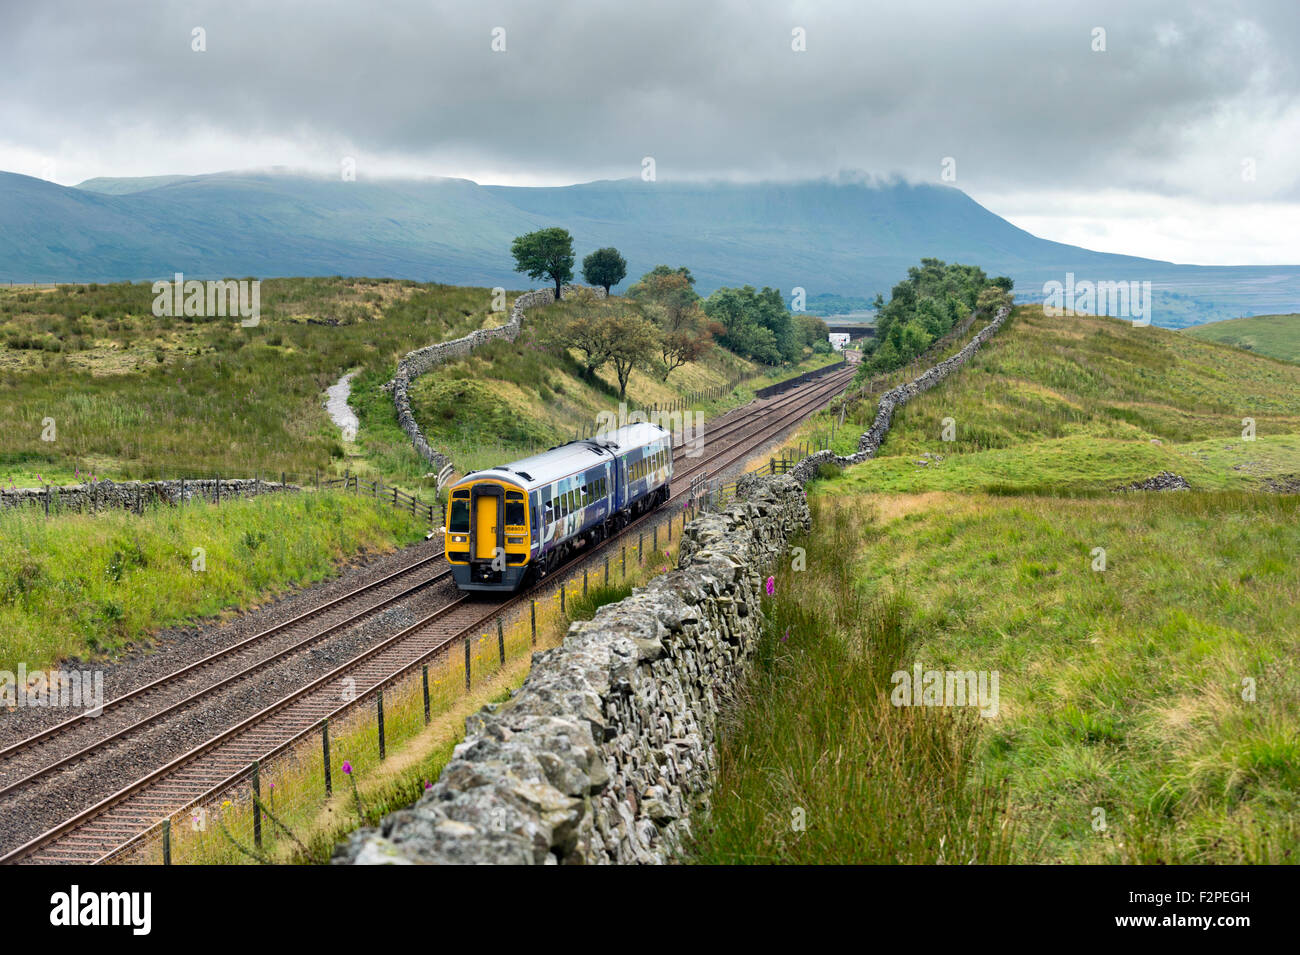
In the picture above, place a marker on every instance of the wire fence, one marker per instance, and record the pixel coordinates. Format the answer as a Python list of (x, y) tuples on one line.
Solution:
[(295, 801)]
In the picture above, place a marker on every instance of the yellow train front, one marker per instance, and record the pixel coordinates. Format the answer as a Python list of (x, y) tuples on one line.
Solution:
[(516, 523)]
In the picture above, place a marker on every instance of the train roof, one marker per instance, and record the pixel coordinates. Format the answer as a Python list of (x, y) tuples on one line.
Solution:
[(567, 459)]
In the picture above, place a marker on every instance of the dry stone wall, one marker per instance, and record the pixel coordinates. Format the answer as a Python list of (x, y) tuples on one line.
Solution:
[(895, 398), (607, 751), (103, 495), (416, 363)]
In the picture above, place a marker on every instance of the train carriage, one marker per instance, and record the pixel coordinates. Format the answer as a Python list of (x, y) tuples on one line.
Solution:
[(518, 522)]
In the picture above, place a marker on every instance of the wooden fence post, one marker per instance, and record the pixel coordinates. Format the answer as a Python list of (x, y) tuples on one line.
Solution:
[(325, 753), (257, 805)]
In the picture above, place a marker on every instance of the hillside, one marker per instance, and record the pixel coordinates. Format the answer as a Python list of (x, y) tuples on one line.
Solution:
[(1146, 710), (134, 395), (1088, 404), (838, 237), (1277, 336)]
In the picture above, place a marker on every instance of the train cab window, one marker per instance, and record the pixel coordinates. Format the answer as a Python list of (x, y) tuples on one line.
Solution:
[(515, 514), (458, 519)]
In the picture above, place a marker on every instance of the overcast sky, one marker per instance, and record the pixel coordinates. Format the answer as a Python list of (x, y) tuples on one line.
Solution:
[(1180, 140)]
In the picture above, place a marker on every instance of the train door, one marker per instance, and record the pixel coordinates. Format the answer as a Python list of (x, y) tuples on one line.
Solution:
[(486, 506)]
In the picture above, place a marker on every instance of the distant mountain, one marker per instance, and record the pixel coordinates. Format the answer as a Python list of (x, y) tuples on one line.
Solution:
[(830, 237)]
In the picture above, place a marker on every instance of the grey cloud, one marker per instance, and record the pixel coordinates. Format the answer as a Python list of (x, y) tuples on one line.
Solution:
[(1010, 89)]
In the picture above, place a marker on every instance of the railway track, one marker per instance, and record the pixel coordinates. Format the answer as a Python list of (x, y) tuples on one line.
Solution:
[(98, 832)]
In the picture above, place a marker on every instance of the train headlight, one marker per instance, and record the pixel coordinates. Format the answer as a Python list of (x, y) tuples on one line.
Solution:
[(514, 540), (458, 540)]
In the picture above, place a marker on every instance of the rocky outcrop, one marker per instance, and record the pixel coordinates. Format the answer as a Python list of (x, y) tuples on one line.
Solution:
[(1164, 481), (606, 751), (416, 363)]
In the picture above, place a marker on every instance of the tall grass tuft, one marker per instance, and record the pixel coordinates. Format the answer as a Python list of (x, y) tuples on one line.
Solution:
[(814, 763)]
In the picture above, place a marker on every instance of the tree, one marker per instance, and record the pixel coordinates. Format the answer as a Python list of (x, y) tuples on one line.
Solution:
[(688, 341), (635, 343), (673, 305), (756, 324), (661, 271), (604, 267), (992, 299), (585, 327), (932, 301), (546, 253), (812, 330)]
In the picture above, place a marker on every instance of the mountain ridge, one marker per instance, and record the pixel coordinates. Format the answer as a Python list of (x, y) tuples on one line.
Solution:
[(840, 236)]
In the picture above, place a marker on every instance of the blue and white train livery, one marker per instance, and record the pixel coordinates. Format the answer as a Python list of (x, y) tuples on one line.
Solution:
[(518, 522)]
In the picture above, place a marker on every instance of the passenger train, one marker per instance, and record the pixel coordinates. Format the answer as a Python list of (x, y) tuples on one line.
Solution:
[(513, 524)]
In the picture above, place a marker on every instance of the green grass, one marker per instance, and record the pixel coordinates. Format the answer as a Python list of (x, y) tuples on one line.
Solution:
[(815, 766), (1120, 689), (134, 395), (1123, 690), (1277, 336), (584, 606), (1070, 404), (90, 586)]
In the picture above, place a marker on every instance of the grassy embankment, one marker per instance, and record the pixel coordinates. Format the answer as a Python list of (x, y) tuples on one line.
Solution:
[(508, 400), (1277, 336), (90, 586), (135, 395), (1149, 711)]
